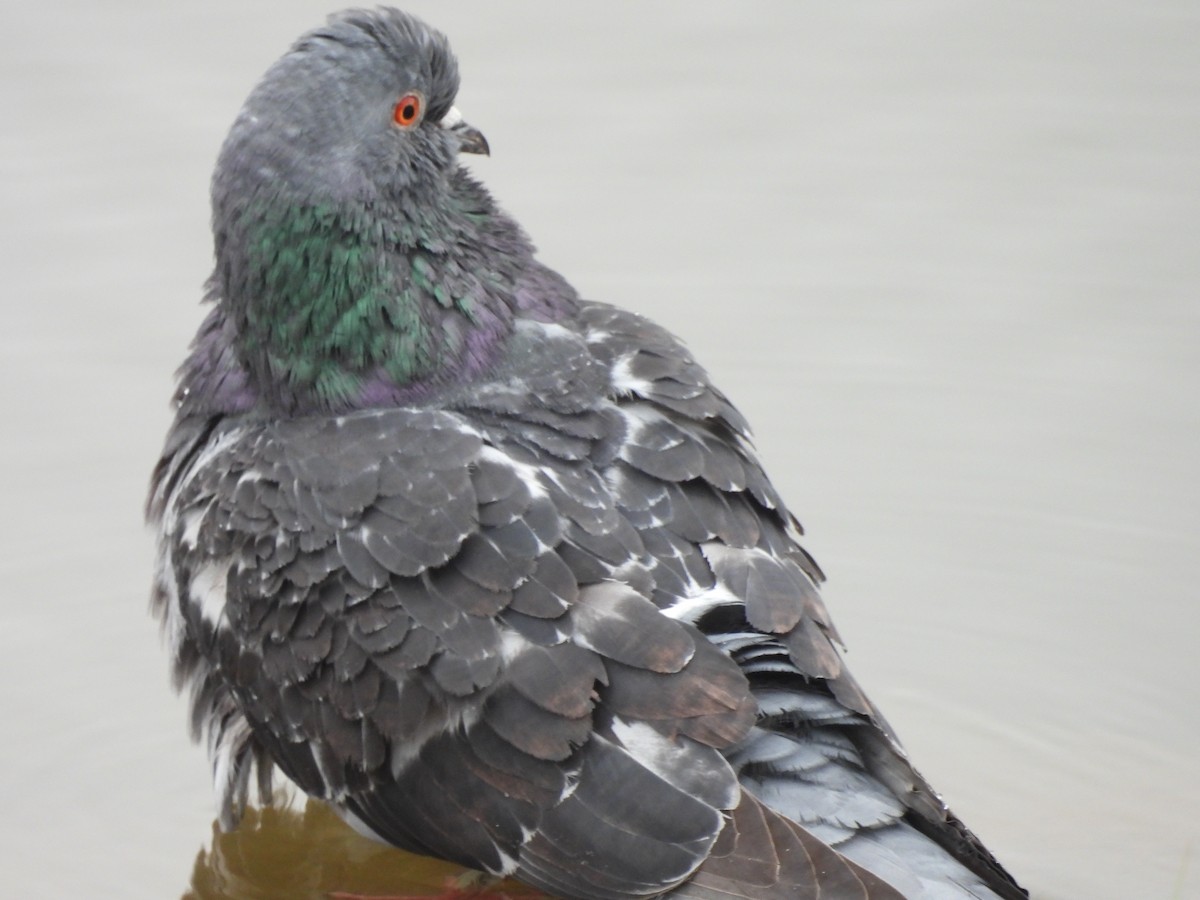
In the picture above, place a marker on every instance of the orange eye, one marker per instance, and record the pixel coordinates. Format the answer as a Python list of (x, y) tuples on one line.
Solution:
[(408, 110)]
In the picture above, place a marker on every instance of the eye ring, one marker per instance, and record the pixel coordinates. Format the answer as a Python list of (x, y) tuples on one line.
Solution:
[(408, 110)]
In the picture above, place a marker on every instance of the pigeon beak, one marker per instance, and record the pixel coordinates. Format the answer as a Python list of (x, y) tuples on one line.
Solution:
[(470, 140)]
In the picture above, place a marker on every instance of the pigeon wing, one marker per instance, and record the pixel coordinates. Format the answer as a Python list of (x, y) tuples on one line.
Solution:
[(415, 623), (560, 629)]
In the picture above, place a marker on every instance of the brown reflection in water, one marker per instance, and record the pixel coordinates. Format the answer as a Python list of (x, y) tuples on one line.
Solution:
[(312, 855)]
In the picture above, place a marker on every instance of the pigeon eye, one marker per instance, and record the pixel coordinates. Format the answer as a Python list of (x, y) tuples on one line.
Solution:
[(408, 110)]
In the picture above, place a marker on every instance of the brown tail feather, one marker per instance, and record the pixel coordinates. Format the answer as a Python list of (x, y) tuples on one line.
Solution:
[(762, 856)]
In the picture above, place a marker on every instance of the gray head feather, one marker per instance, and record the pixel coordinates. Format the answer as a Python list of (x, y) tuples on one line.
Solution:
[(321, 117)]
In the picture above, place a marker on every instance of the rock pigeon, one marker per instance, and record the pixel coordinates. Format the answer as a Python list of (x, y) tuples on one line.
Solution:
[(491, 569)]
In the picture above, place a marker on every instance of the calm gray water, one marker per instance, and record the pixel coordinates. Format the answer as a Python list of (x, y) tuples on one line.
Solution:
[(945, 257)]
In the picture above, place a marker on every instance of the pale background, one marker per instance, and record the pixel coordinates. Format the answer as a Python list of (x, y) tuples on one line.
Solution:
[(945, 256)]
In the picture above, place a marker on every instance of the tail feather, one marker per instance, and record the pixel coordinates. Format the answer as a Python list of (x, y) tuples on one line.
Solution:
[(760, 855)]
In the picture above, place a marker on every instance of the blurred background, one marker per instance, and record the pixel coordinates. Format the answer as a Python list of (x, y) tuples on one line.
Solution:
[(944, 256)]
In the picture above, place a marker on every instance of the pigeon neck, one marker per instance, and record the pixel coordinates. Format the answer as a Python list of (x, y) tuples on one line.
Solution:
[(337, 307)]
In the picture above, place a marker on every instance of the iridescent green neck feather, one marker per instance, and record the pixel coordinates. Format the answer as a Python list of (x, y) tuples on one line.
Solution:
[(329, 308), (338, 306)]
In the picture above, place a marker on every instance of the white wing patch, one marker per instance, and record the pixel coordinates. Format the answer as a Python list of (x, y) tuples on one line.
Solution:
[(530, 476), (207, 591), (691, 607), (625, 382)]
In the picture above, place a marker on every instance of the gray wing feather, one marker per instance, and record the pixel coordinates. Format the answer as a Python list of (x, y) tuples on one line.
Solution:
[(560, 628)]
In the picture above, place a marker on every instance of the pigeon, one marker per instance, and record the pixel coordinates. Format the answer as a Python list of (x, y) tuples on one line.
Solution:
[(493, 570)]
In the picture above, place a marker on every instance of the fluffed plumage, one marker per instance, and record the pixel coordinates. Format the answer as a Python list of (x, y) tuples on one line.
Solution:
[(491, 569)]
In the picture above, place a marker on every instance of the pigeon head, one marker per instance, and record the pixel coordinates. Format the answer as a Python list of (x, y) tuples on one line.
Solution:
[(357, 110), (356, 261)]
